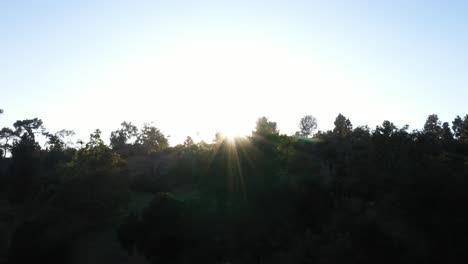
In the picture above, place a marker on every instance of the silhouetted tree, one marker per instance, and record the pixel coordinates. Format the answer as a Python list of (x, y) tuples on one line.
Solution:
[(457, 126), (447, 134), (219, 138), (188, 142), (95, 183), (56, 142), (307, 125), (387, 129), (432, 127), (25, 158), (460, 128), (265, 127), (343, 126), (6, 136), (152, 139), (121, 137), (28, 126)]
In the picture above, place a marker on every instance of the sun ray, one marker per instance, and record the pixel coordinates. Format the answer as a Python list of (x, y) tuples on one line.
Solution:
[(233, 145)]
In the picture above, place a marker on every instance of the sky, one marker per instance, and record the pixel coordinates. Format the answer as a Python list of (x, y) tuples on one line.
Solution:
[(194, 67)]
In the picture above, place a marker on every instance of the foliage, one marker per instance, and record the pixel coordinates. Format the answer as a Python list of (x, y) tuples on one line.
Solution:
[(28, 126), (120, 138), (265, 127), (7, 135), (307, 125), (343, 126), (346, 195), (95, 183), (25, 162), (56, 142), (152, 139)]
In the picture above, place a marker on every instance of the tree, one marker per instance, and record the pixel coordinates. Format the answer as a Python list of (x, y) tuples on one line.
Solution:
[(28, 127), (7, 134), (361, 135), (23, 128), (457, 126), (120, 138), (189, 142), (152, 139), (387, 129), (447, 134), (464, 132), (95, 139), (56, 142), (95, 184), (25, 159), (219, 138), (432, 126), (265, 127), (460, 128), (308, 125), (343, 126)]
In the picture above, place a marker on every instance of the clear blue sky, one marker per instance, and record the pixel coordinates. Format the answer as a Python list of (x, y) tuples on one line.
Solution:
[(198, 66)]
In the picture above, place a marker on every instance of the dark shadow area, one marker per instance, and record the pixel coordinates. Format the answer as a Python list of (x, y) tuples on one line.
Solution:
[(348, 195)]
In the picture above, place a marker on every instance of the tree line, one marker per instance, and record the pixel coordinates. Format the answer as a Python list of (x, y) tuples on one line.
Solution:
[(346, 195)]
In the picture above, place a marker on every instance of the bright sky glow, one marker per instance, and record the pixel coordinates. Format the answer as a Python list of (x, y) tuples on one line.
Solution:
[(218, 65)]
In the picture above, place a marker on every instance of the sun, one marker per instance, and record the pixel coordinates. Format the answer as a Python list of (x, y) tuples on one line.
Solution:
[(233, 126), (231, 133)]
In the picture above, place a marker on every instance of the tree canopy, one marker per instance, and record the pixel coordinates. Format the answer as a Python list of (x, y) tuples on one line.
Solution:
[(345, 195), (307, 125)]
